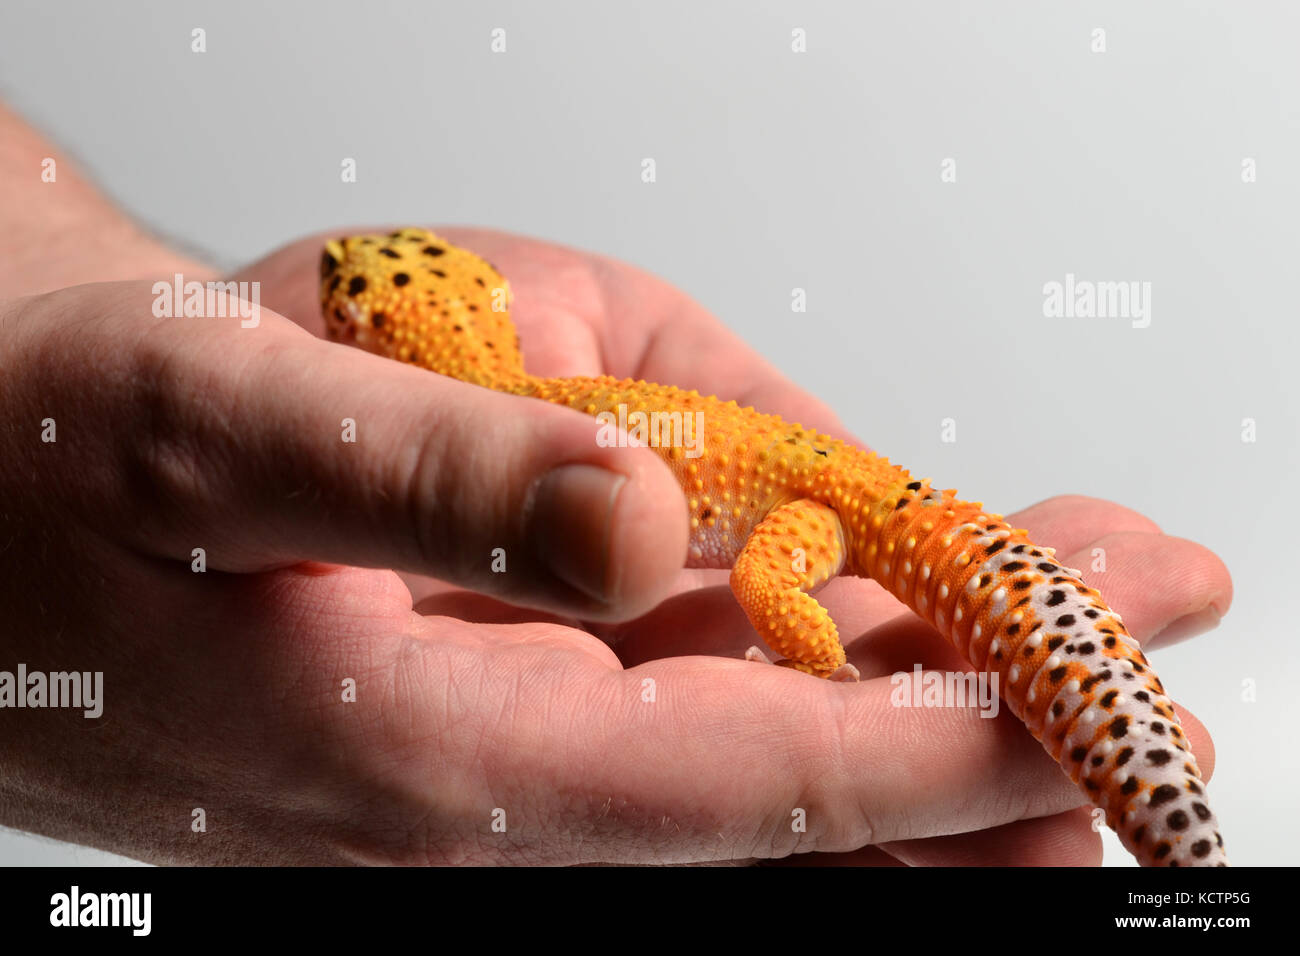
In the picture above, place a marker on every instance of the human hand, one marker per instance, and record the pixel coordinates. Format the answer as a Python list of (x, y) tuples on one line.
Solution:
[(223, 688), (581, 297)]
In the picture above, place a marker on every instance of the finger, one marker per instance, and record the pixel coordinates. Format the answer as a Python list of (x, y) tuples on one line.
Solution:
[(1153, 581), (1166, 589), (583, 314), (265, 446), (1063, 839), (1069, 522), (608, 316)]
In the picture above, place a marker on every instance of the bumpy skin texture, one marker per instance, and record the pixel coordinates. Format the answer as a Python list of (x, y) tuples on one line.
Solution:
[(787, 509)]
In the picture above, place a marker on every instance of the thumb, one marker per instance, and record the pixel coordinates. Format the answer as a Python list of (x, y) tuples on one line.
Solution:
[(267, 446)]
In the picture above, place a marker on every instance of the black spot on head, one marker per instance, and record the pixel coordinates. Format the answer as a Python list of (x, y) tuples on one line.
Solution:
[(1108, 643), (377, 320), (1013, 630), (1011, 567), (1098, 760), (1119, 726), (1055, 642), (1055, 598), (400, 279), (1056, 674), (1177, 820), (1162, 850), (1091, 613), (1157, 727), (1047, 568), (1018, 549), (390, 253), (1091, 784), (1058, 708), (327, 264), (1087, 647), (338, 314), (996, 546), (1124, 756), (481, 283), (1108, 698), (1130, 786), (356, 285), (1142, 696), (1163, 794), (1022, 584), (1202, 811), (432, 251), (1201, 849), (1139, 833), (334, 283), (1065, 620), (985, 580), (439, 273), (913, 486), (1078, 754), (1158, 757)]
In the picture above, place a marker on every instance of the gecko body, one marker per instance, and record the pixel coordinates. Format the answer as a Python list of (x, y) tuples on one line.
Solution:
[(787, 509)]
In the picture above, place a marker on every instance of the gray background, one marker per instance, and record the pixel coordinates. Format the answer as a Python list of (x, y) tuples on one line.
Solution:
[(818, 170)]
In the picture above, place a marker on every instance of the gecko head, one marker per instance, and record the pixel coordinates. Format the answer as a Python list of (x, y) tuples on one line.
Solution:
[(415, 297), (371, 282)]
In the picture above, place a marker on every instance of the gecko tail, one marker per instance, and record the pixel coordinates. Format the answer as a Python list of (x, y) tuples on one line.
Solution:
[(413, 296), (1064, 661)]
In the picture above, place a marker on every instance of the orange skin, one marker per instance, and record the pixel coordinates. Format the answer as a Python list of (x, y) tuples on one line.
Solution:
[(788, 508)]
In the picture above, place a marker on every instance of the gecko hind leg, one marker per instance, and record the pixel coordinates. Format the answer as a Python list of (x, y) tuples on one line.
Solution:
[(794, 550)]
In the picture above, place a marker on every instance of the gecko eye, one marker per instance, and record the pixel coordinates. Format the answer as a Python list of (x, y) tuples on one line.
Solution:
[(328, 263)]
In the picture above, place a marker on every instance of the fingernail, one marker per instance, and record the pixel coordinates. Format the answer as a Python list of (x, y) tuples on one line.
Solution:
[(1189, 625), (573, 511)]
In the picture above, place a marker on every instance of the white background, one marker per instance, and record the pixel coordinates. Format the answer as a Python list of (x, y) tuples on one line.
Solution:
[(818, 170)]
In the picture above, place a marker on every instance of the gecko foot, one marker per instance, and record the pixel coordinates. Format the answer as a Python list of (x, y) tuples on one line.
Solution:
[(846, 673)]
